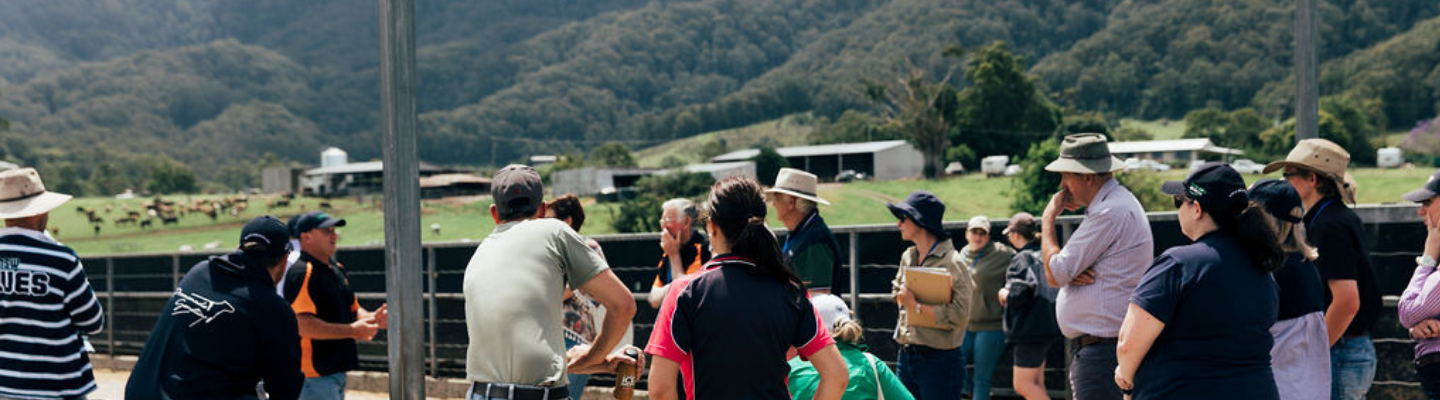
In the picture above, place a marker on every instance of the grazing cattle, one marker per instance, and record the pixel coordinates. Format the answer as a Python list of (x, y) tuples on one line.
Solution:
[(96, 219), (133, 215), (146, 223), (80, 209), (126, 220), (109, 208), (435, 228), (213, 215), (97, 230), (169, 220), (325, 205)]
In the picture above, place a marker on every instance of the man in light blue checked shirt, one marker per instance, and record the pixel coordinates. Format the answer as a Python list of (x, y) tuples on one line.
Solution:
[(1101, 263)]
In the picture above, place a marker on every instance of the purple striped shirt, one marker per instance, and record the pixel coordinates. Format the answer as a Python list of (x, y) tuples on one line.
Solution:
[(1421, 301), (1114, 239)]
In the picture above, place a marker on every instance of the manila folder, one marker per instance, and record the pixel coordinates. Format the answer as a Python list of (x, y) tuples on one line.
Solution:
[(931, 286)]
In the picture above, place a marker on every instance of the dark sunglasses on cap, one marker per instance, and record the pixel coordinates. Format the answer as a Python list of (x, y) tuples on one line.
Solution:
[(1181, 200)]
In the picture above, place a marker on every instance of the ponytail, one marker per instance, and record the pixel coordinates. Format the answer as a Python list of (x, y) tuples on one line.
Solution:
[(848, 331), (737, 207), (1255, 230)]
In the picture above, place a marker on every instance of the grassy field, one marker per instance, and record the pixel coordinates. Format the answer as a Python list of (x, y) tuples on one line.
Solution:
[(1162, 129), (469, 219), (785, 131)]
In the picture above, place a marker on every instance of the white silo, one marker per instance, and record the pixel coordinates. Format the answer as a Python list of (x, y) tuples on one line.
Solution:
[(332, 157)]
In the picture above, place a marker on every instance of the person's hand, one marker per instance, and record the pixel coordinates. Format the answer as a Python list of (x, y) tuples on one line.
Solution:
[(382, 316), (1059, 202), (1124, 384), (1432, 240), (1004, 293), (1426, 329), (669, 242), (364, 329), (614, 361), (905, 299), (1086, 277)]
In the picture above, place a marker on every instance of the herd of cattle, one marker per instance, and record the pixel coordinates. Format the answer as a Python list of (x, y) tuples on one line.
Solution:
[(169, 212)]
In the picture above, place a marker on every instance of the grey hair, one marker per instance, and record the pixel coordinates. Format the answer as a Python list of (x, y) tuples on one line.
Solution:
[(682, 205), (804, 206)]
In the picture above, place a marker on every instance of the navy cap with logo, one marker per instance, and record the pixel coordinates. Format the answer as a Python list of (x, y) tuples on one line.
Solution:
[(315, 219), (269, 231), (1217, 187), (1279, 198), (1431, 188), (517, 190)]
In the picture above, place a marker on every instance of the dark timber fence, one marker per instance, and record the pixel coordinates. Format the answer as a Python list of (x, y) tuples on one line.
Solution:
[(134, 287)]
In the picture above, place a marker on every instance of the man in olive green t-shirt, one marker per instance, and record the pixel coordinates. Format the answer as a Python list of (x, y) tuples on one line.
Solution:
[(513, 292)]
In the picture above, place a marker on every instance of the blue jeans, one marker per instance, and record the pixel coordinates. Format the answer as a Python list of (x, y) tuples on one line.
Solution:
[(577, 384), (931, 374), (983, 348), (324, 387), (1352, 368), (1092, 373)]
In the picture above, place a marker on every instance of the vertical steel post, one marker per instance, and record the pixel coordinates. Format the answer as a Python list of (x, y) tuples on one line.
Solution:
[(110, 306), (855, 273), (402, 199), (174, 271), (1307, 89), (434, 312)]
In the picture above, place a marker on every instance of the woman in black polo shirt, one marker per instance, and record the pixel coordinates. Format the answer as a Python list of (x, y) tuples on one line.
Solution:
[(1198, 326), (727, 328)]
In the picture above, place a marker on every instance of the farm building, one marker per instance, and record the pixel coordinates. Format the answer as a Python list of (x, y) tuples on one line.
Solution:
[(1181, 151), (887, 160)]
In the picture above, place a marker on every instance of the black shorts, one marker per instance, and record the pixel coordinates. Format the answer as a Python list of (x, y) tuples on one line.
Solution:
[(1030, 355)]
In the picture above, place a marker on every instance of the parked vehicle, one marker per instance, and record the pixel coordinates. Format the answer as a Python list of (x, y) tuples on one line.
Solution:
[(1389, 157), (1135, 164), (1012, 170), (850, 175), (1245, 166), (994, 165)]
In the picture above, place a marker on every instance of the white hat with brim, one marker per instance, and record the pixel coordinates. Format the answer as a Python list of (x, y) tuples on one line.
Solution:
[(1085, 153), (798, 183), (22, 194), (1322, 157)]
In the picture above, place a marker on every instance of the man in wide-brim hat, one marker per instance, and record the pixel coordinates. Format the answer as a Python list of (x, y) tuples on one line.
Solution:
[(1316, 168), (1101, 263), (809, 249), (44, 357)]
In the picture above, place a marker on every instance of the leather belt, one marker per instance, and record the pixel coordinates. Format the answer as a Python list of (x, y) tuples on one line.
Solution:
[(1427, 359), (517, 392), (1087, 340)]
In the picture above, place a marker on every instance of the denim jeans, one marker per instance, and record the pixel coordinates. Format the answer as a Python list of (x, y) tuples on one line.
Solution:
[(1092, 373), (1430, 380), (984, 349), (1352, 368), (324, 387), (577, 384), (931, 374)]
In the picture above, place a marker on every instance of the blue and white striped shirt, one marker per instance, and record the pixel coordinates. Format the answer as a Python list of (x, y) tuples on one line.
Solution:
[(46, 302)]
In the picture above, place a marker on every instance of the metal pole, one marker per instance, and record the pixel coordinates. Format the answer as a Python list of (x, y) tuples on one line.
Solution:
[(402, 199), (434, 312), (855, 273), (1307, 89), (174, 271), (110, 306)]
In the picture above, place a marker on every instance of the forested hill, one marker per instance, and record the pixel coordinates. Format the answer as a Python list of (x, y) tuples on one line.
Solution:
[(216, 84)]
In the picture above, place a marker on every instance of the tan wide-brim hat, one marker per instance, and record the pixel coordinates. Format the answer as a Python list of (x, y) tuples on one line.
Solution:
[(1322, 157), (22, 194), (1085, 153), (798, 183)]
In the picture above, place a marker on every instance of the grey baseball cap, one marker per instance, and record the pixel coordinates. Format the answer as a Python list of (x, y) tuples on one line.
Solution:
[(517, 189)]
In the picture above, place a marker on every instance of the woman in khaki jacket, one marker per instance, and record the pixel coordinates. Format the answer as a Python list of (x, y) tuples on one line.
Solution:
[(930, 332)]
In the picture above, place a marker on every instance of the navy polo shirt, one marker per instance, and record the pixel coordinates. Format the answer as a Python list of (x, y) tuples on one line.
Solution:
[(812, 252), (1301, 290), (1217, 308), (730, 327), (1336, 232)]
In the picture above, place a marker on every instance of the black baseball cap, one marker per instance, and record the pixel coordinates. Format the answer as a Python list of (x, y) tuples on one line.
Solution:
[(1431, 188), (269, 231), (290, 224), (1279, 198), (1217, 187), (315, 219), (517, 189)]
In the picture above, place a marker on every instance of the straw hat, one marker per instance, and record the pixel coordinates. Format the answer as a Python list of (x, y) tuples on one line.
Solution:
[(22, 194), (1322, 157), (798, 183)]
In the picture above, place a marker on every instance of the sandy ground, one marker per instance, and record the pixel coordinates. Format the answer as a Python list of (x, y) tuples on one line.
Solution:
[(112, 387)]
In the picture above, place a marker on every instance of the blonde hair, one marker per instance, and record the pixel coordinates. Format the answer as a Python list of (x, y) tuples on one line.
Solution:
[(1292, 239), (848, 331)]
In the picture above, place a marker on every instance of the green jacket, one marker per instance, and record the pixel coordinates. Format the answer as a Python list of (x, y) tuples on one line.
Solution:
[(804, 379), (986, 313)]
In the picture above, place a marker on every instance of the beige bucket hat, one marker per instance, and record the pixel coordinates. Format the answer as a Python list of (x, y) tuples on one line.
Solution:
[(22, 194), (1322, 157), (798, 183), (1085, 153)]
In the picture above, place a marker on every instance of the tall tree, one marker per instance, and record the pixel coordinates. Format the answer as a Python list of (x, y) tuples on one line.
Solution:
[(920, 110), (1002, 112)]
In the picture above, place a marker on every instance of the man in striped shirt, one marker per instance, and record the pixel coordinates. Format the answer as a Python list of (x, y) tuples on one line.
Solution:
[(46, 302)]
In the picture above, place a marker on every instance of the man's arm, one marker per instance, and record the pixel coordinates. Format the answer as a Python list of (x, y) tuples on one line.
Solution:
[(663, 374), (1343, 307), (833, 373), (1074, 267), (619, 305), (82, 305), (313, 327)]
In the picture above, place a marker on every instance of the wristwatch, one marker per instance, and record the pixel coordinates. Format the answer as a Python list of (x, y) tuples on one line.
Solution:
[(1425, 261)]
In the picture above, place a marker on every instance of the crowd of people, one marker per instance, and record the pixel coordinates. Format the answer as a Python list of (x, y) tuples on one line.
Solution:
[(1274, 298)]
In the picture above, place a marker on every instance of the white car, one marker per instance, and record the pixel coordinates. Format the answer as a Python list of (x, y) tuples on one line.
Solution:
[(1134, 164), (1247, 167)]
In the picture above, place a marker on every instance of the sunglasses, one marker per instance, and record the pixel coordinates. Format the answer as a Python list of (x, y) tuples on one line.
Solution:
[(1181, 200), (1293, 174)]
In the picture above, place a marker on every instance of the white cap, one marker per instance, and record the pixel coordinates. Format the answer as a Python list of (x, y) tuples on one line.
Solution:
[(979, 222), (831, 308)]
